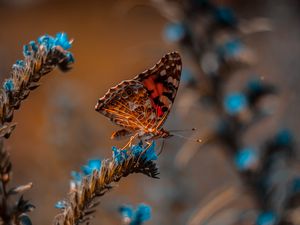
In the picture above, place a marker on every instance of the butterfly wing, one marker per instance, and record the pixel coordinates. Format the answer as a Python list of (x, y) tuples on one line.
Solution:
[(161, 82), (145, 101), (128, 105)]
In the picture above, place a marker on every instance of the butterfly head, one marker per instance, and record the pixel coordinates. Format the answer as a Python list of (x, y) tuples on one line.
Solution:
[(164, 134), (155, 134)]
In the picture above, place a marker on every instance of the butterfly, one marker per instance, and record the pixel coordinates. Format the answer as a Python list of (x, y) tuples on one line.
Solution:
[(141, 105)]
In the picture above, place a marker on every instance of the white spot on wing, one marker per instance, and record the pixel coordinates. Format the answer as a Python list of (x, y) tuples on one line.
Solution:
[(170, 79), (163, 72), (153, 116), (148, 102), (132, 106), (175, 82)]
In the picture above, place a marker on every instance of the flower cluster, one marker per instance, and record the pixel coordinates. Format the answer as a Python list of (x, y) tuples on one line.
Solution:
[(40, 58), (147, 154), (231, 50), (97, 177), (266, 218), (49, 43), (246, 159), (86, 170), (135, 216), (235, 103)]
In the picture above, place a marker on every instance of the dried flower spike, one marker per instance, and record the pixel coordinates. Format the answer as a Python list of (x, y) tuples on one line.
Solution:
[(97, 177), (40, 58)]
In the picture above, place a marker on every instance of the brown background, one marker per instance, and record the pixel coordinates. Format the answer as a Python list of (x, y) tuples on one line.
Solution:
[(58, 129)]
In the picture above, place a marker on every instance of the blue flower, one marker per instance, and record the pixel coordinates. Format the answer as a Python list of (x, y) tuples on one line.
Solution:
[(70, 57), (26, 50), (60, 205), (266, 218), (225, 15), (47, 41), (296, 185), (93, 164), (126, 211), (235, 103), (77, 177), (24, 219), (150, 153), (246, 158), (136, 150), (174, 32), (138, 216), (62, 40), (231, 48), (119, 155), (9, 85), (142, 214), (33, 45), (255, 85), (20, 63), (284, 137)]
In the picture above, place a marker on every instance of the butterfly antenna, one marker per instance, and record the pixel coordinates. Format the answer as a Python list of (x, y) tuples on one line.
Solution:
[(162, 147), (187, 138), (183, 130)]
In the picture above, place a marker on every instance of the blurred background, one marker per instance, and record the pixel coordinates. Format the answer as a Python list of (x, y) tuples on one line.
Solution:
[(58, 129)]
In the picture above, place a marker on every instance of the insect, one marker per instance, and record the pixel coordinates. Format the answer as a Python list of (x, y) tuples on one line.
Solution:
[(141, 105)]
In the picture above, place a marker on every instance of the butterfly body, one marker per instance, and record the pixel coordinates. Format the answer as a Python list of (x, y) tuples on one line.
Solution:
[(141, 105), (161, 133)]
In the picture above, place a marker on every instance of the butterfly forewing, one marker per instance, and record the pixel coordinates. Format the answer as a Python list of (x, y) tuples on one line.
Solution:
[(128, 105), (161, 82)]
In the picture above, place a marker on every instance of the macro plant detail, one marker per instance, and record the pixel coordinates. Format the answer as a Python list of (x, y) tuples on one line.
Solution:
[(98, 177), (140, 106), (40, 58)]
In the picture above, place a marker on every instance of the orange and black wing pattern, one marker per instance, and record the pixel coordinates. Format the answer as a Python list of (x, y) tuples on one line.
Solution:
[(128, 105), (161, 82), (145, 101)]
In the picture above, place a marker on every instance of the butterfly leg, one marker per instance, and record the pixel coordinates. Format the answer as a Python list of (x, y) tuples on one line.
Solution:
[(148, 144), (118, 135), (162, 147), (129, 143)]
